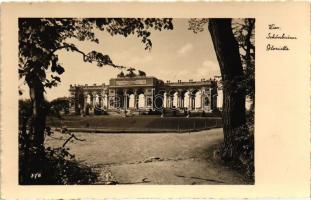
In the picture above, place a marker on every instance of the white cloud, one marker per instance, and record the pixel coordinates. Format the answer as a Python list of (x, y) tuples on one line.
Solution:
[(185, 49), (128, 58), (209, 69), (208, 63)]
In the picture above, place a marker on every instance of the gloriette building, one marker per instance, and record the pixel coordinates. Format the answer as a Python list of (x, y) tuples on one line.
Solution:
[(144, 93)]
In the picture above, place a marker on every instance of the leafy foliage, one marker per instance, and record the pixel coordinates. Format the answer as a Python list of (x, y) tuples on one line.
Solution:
[(244, 150), (59, 105), (138, 26), (40, 38), (244, 32), (57, 165), (197, 24)]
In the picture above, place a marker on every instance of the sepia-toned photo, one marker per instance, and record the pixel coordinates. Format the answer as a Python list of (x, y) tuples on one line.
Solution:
[(158, 101)]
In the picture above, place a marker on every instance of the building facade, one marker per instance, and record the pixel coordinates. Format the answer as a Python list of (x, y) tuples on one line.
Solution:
[(144, 93)]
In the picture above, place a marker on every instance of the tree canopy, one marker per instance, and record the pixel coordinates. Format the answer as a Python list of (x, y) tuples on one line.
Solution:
[(41, 38), (244, 33)]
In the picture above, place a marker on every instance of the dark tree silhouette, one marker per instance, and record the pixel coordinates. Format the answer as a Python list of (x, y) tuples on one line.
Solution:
[(228, 56), (228, 39), (58, 105), (244, 33)]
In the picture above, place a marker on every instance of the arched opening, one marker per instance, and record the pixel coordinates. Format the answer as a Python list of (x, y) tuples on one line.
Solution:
[(141, 101), (175, 99), (89, 103), (97, 100), (149, 101), (88, 99), (105, 101), (198, 100), (186, 99), (206, 101), (165, 100), (159, 101), (183, 96), (131, 101), (119, 100), (80, 104)]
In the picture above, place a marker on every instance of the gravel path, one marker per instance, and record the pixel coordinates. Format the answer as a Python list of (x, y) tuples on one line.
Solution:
[(158, 158)]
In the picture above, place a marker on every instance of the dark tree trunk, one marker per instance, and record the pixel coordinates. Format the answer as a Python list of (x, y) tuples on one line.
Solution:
[(248, 58), (35, 166), (36, 91), (228, 56)]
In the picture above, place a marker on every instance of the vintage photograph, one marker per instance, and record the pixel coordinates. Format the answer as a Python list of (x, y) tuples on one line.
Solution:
[(123, 101)]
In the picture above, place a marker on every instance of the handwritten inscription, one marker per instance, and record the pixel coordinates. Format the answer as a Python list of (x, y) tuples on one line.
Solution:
[(273, 27), (275, 33)]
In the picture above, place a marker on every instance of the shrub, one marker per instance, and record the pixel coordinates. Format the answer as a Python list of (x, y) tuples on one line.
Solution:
[(47, 165), (245, 150), (57, 167)]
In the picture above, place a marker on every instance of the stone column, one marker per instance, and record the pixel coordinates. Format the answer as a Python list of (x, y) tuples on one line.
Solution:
[(210, 99), (180, 101), (203, 101), (91, 100), (107, 101), (85, 103), (192, 102), (152, 99), (94, 100), (171, 101), (125, 100), (135, 100), (167, 104), (100, 101)]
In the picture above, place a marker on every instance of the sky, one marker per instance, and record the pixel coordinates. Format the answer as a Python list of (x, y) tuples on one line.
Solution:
[(176, 54)]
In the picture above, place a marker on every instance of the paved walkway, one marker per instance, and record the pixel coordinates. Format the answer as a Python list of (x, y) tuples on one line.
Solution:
[(158, 158)]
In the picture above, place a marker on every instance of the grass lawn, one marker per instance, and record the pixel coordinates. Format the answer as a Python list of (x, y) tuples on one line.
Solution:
[(135, 123)]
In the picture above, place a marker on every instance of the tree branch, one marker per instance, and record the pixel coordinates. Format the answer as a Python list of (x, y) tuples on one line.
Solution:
[(87, 57), (72, 136)]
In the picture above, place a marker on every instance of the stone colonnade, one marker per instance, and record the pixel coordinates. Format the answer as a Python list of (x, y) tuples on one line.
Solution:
[(181, 99), (94, 100), (140, 98), (165, 99), (147, 99)]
